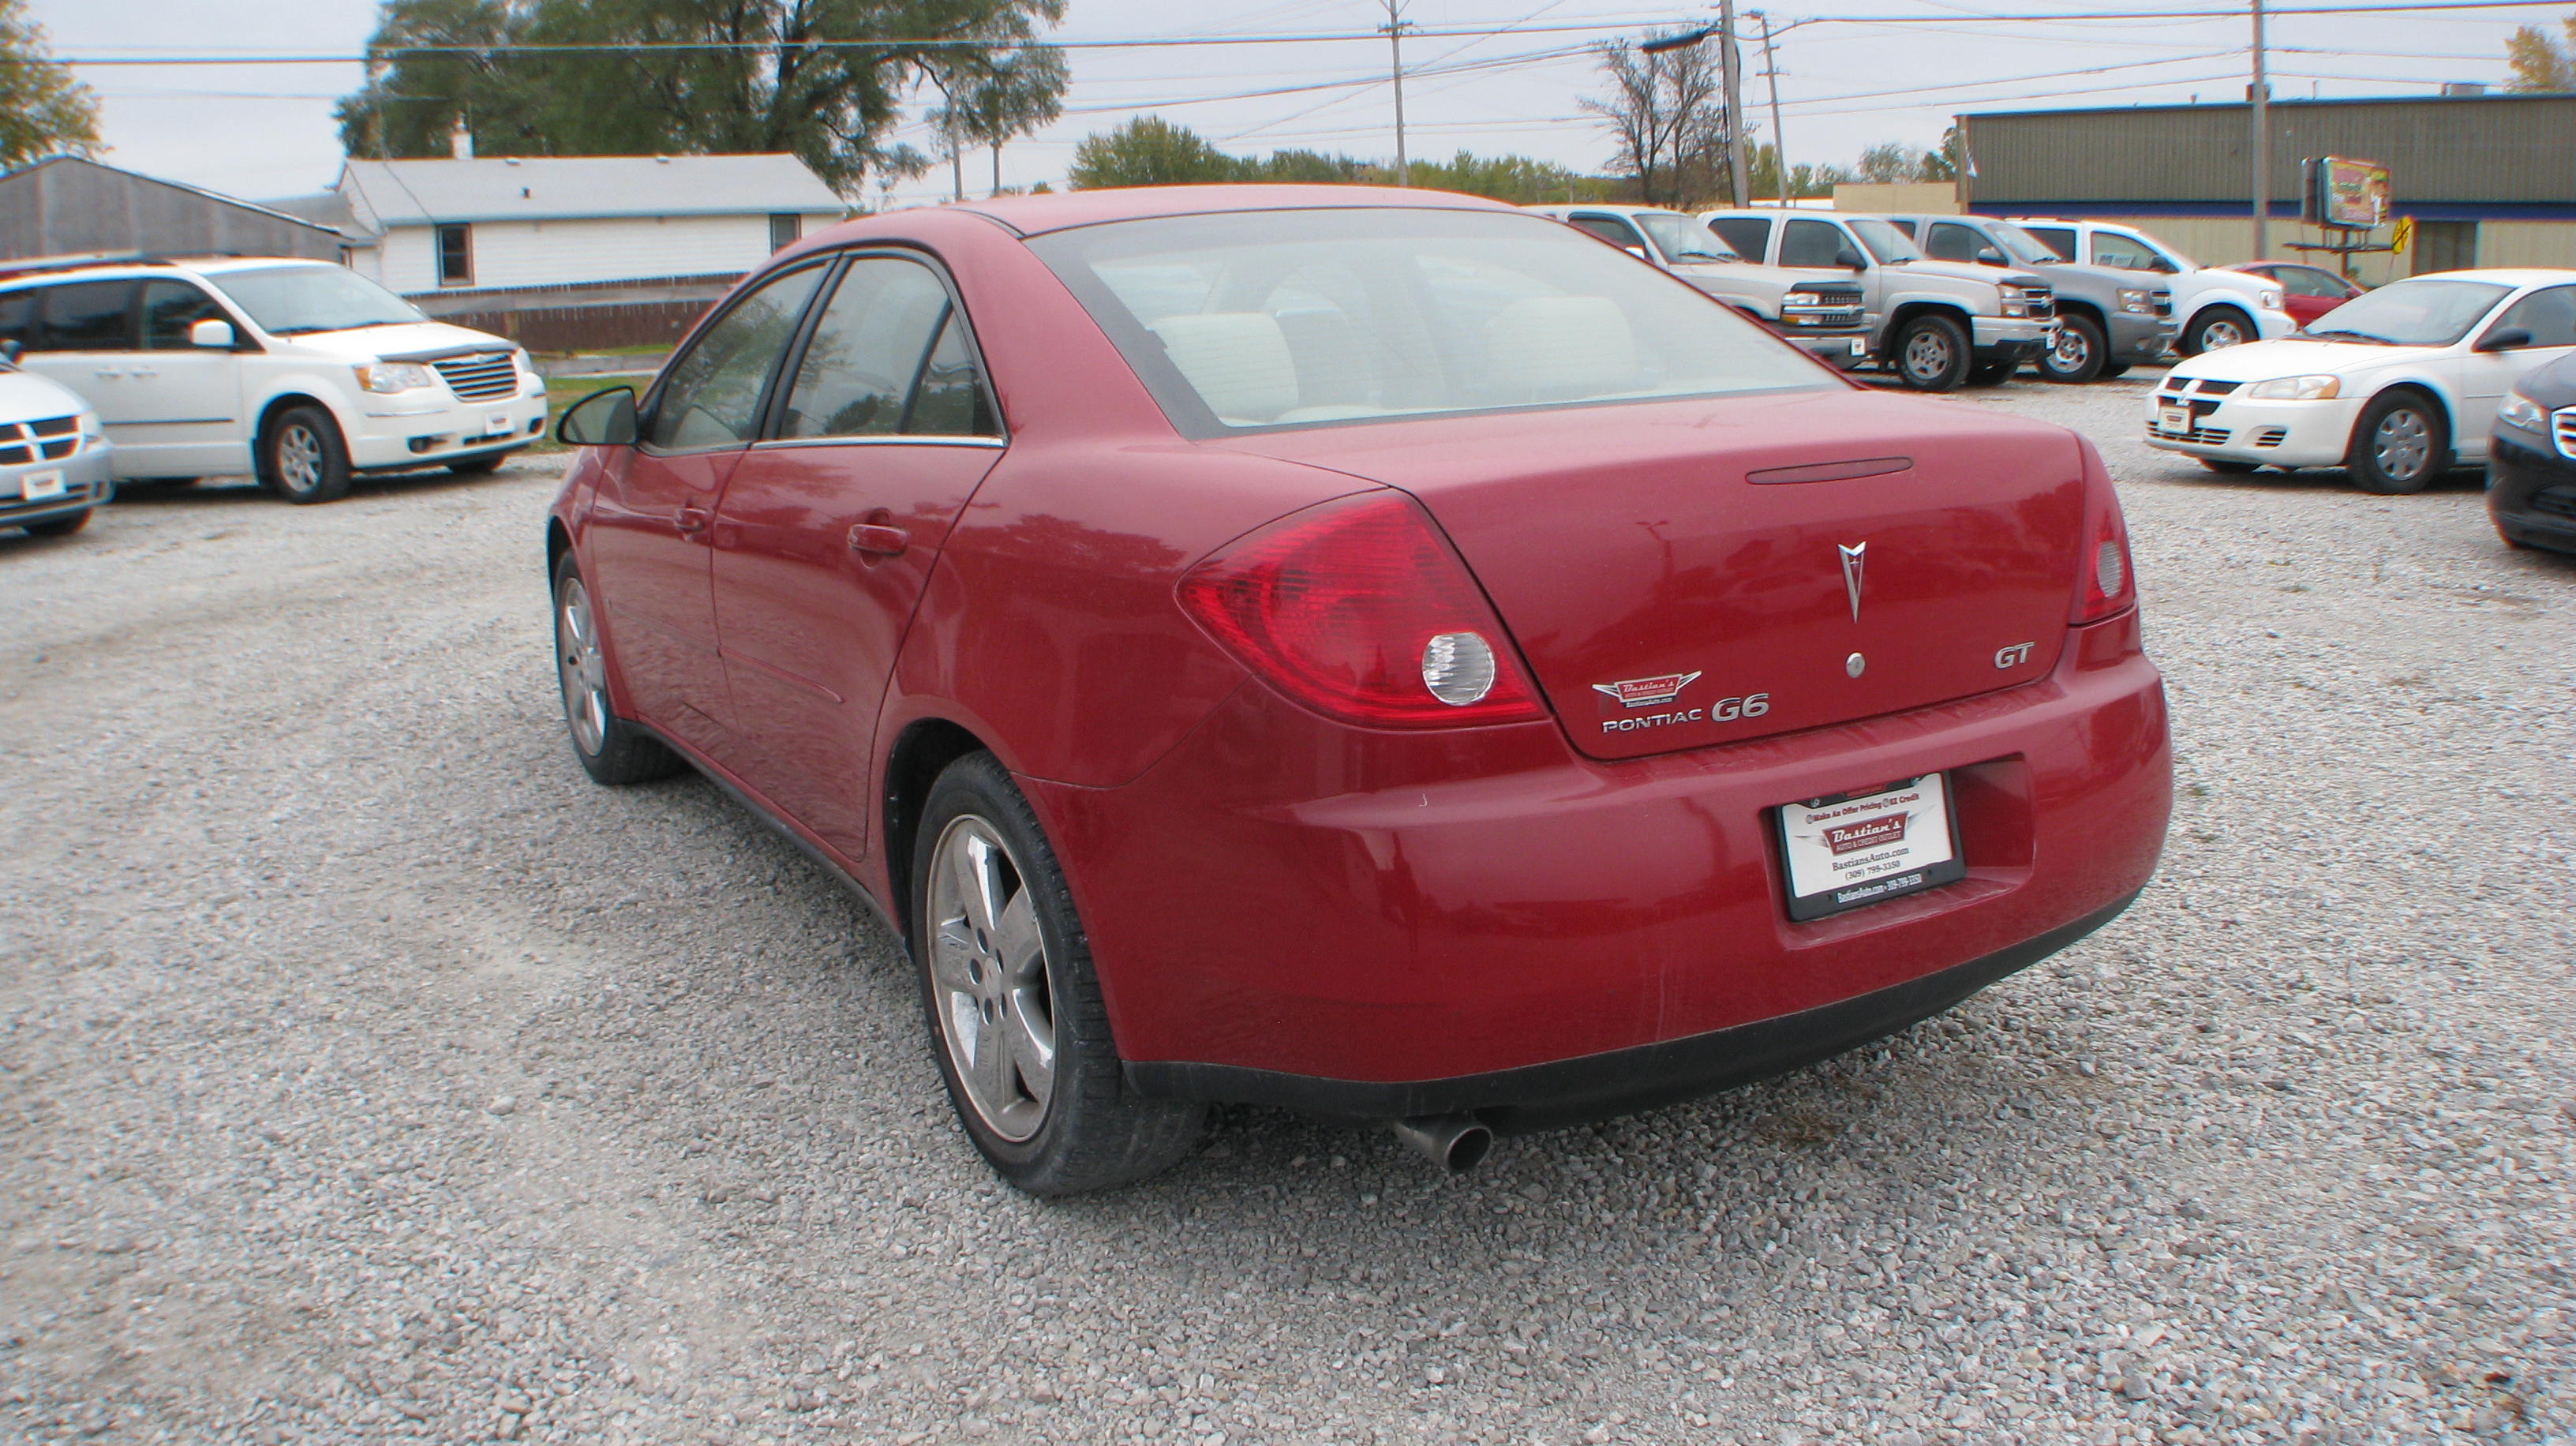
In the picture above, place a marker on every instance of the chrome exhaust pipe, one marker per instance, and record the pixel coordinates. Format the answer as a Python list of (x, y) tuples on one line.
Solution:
[(1456, 1143)]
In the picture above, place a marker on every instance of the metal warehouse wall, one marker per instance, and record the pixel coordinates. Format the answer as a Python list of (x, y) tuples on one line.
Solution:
[(2512, 151), (69, 207)]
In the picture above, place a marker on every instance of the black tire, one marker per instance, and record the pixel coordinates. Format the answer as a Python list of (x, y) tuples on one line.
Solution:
[(2232, 469), (2079, 354), (302, 457), (1090, 1131), (1931, 354), (2218, 327), (1991, 373), (2115, 368), (612, 750), (479, 466), (59, 526), (2401, 443)]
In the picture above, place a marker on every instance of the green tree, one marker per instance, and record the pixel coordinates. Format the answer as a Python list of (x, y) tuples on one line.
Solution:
[(2539, 64), (43, 111), (1805, 181), (1895, 161), (824, 79), (1149, 151), (1517, 179), (1667, 120)]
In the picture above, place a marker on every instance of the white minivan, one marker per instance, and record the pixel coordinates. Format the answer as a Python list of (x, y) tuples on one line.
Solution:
[(300, 373)]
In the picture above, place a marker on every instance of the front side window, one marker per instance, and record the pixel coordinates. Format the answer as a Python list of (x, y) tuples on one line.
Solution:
[(1277, 318), (888, 357), (1750, 236), (2020, 245), (171, 309), (2419, 312), (313, 297), (2549, 314), (1610, 229), (2125, 252), (1951, 241), (86, 316), (1812, 243), (711, 395), (456, 255), (1886, 241)]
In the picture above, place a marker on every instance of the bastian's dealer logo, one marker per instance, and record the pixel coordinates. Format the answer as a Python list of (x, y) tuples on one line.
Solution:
[(1851, 838), (1657, 692)]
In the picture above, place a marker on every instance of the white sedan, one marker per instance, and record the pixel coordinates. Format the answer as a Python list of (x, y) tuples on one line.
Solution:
[(2394, 386)]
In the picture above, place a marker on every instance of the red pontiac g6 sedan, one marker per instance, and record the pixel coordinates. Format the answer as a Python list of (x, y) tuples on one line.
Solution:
[(1368, 651)]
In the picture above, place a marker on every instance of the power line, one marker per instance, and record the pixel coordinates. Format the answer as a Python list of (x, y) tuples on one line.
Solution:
[(383, 53)]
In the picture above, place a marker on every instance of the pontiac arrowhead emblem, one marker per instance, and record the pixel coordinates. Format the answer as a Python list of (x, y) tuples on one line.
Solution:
[(1851, 552)]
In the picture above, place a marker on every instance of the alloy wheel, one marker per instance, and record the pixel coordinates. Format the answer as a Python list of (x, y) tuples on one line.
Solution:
[(2402, 444), (578, 663), (299, 458), (988, 968), (2072, 349), (2221, 332)]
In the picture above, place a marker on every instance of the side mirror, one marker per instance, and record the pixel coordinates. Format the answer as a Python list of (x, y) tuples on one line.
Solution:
[(2504, 339), (1989, 256), (212, 335), (2163, 265), (1850, 260), (10, 349), (602, 419)]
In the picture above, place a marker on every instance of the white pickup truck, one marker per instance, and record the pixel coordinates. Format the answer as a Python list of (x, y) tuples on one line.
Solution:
[(1936, 324), (1824, 317), (2215, 308)]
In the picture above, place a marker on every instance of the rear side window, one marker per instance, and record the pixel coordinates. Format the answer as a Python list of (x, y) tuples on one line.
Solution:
[(2060, 239), (1749, 235), (87, 316), (1811, 243), (888, 357), (170, 308), (711, 395)]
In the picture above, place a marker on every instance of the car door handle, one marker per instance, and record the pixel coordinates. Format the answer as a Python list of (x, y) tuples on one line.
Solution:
[(879, 539), (692, 520)]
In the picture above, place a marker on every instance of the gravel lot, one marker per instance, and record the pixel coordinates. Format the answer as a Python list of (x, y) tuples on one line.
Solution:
[(367, 1074)]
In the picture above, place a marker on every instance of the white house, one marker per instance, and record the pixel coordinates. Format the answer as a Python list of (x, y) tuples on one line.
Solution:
[(505, 224)]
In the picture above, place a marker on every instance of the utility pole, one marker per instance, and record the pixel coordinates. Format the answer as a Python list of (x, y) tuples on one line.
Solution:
[(1779, 147), (2260, 94), (1731, 66), (1394, 28)]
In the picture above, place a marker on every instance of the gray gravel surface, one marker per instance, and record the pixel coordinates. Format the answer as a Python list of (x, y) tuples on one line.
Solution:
[(366, 1074)]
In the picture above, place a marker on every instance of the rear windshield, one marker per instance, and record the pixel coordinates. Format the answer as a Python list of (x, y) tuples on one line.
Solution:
[(288, 300), (1263, 319), (2412, 313)]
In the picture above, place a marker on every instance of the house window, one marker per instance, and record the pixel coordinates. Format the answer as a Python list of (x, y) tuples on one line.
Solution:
[(456, 255), (784, 229)]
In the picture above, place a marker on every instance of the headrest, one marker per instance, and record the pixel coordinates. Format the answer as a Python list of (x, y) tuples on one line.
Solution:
[(1560, 348), (1238, 361)]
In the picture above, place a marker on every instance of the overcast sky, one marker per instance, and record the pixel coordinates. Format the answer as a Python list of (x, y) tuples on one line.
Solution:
[(265, 130)]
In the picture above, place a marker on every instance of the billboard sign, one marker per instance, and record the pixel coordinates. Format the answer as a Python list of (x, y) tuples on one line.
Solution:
[(2346, 193)]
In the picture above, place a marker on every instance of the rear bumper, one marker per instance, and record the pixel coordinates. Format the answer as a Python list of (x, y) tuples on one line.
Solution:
[(2517, 473), (1381, 924)]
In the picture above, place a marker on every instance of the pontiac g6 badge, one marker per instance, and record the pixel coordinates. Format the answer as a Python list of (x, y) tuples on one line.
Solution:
[(1647, 692), (1656, 692)]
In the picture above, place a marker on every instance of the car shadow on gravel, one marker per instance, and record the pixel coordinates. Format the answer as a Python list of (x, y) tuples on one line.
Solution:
[(2313, 479)]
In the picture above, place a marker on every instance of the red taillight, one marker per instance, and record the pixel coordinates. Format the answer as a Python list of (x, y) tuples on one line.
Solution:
[(1359, 610), (2110, 585)]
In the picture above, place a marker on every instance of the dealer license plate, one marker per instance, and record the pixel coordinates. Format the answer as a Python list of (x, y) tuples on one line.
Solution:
[(2176, 420), (37, 486), (1865, 848)]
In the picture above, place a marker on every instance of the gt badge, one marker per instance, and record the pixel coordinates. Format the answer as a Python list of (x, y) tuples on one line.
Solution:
[(1646, 692), (2014, 656)]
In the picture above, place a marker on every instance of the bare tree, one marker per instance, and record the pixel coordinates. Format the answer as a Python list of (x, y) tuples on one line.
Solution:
[(1667, 116)]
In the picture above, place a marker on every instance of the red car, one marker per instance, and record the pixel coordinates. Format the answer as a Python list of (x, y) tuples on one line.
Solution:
[(2307, 292), (1367, 651)]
